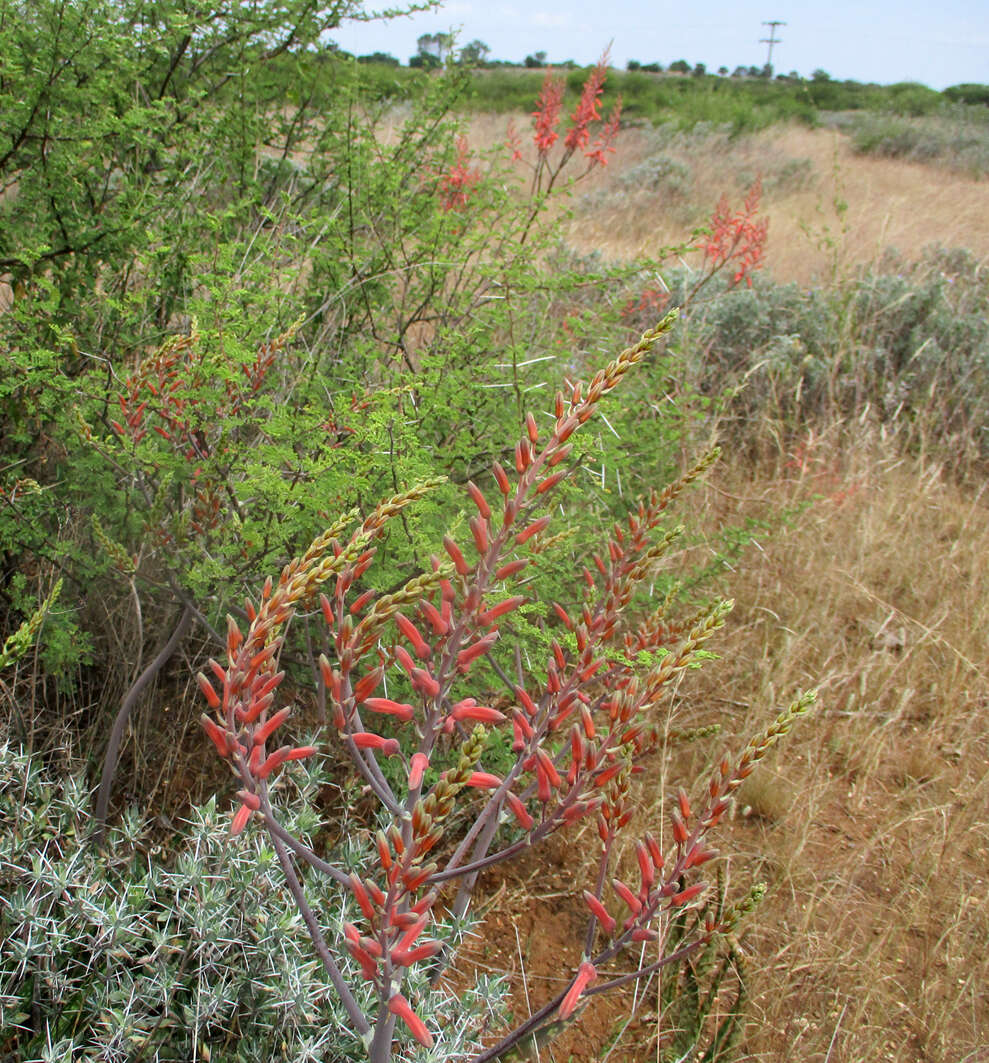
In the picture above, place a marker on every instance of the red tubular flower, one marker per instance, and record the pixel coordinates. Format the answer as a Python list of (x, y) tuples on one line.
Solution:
[(737, 238), (469, 710), (599, 912), (502, 478), (698, 855), (519, 811), (511, 569), (455, 188), (479, 500), (631, 901), (588, 107), (369, 967), (399, 1006), (483, 780), (470, 653), (360, 895), (514, 142), (404, 658), (424, 683), (434, 618), (391, 708), (240, 820), (217, 735), (208, 692), (547, 113), (688, 894), (646, 866), (272, 725), (366, 686), (680, 833), (479, 529), (417, 767), (585, 975), (407, 957), (456, 556), (271, 762), (491, 615), (367, 740), (534, 529), (300, 752), (606, 139)]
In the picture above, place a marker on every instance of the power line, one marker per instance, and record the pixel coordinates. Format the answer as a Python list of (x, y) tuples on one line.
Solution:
[(772, 38)]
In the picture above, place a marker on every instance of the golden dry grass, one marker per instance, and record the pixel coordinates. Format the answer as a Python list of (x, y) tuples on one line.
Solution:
[(870, 825), (891, 203)]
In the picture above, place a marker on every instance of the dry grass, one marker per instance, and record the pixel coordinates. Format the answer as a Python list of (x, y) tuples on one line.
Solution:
[(891, 203), (871, 824)]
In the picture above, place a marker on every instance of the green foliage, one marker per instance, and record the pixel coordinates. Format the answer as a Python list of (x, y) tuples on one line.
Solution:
[(968, 93), (906, 341), (297, 303), (956, 137), (18, 644), (745, 103), (701, 1001)]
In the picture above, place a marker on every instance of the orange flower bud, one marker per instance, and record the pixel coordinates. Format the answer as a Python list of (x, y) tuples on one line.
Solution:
[(534, 529), (390, 708), (479, 500), (599, 912), (502, 478)]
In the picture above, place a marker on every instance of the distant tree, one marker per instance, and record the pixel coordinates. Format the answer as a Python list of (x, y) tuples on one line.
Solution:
[(755, 71), (537, 59), (437, 45), (700, 69), (633, 64), (793, 76), (653, 68), (681, 66), (475, 54), (379, 57), (423, 61), (968, 93), (767, 71), (820, 75), (722, 71), (740, 72)]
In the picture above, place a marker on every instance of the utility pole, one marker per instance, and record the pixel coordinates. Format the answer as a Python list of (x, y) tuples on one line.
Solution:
[(771, 39)]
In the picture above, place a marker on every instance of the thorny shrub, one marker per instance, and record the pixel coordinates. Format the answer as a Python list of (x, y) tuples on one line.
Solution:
[(403, 686), (173, 953)]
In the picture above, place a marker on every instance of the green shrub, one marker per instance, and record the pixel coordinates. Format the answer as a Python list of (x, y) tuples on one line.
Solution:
[(956, 137), (907, 342)]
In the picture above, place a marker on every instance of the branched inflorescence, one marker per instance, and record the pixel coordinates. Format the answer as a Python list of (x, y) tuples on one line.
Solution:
[(578, 733), (585, 121), (737, 239)]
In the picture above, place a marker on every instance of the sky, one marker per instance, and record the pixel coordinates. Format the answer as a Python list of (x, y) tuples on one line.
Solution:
[(869, 40)]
